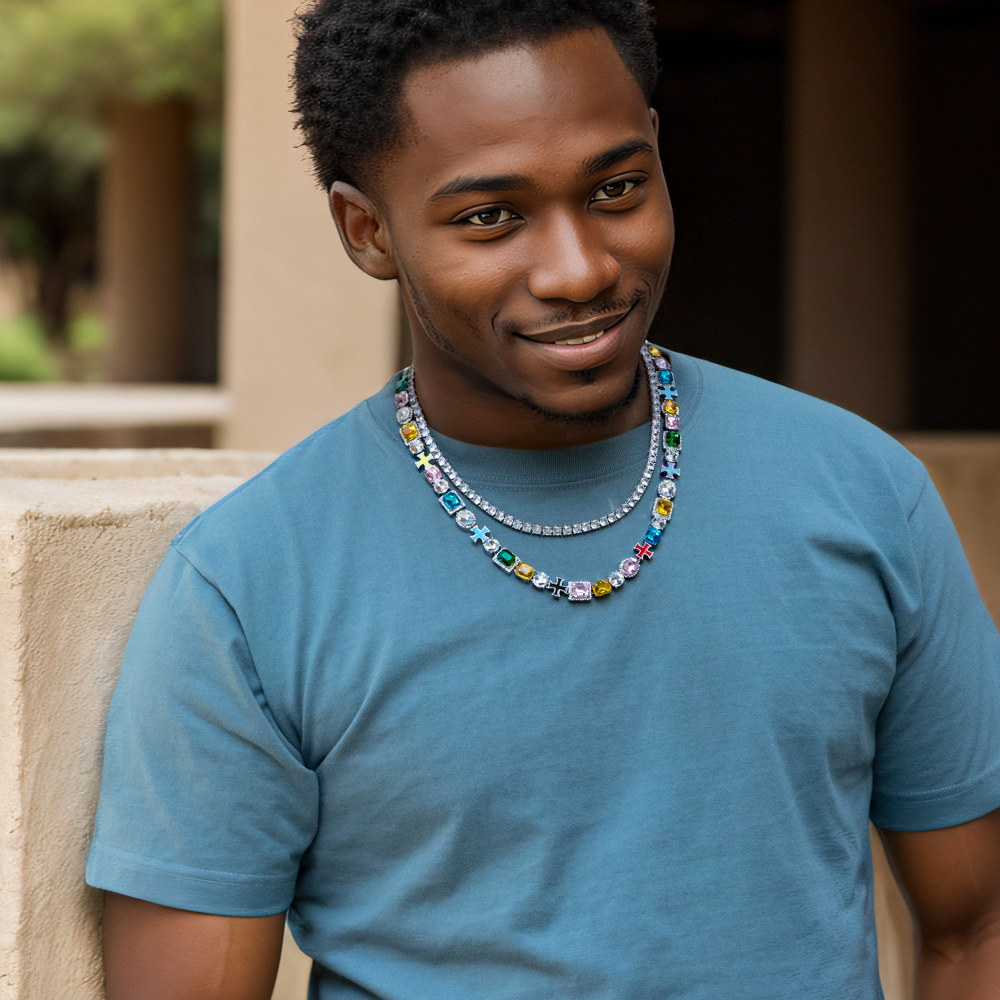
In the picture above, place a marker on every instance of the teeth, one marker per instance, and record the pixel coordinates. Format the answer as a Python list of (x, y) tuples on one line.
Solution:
[(581, 340)]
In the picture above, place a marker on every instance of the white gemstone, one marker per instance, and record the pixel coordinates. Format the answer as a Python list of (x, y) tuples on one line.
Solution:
[(441, 486), (416, 446), (567, 529), (536, 529), (499, 514), (465, 519), (666, 489), (517, 525), (594, 525), (603, 522), (546, 530), (613, 516), (540, 580), (671, 454), (508, 520), (616, 579), (585, 526), (557, 530), (631, 504), (659, 522), (403, 414), (491, 545), (577, 529)]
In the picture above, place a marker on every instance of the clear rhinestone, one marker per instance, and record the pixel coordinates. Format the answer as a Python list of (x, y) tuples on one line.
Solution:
[(475, 498), (667, 490), (577, 529), (491, 545), (540, 580), (536, 529), (594, 525), (567, 529), (616, 579), (603, 522), (499, 514), (441, 486), (490, 509), (630, 504), (659, 522), (671, 454), (508, 520), (416, 446), (517, 525), (612, 517), (546, 530), (465, 519), (457, 481), (464, 487), (403, 414), (585, 526), (557, 530)]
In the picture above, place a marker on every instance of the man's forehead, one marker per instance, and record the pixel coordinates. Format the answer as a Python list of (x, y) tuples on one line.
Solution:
[(565, 99)]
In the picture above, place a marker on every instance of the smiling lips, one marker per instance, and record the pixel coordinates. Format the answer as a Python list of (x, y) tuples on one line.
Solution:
[(580, 340)]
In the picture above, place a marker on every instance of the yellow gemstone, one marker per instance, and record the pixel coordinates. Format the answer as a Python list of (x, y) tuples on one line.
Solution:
[(524, 571), (409, 431), (670, 406), (664, 507), (601, 589), (655, 352)]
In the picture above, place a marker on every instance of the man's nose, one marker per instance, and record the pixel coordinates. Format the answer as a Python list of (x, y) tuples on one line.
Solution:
[(571, 261)]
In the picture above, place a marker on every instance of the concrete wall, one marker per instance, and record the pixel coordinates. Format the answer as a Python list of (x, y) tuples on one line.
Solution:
[(305, 335)]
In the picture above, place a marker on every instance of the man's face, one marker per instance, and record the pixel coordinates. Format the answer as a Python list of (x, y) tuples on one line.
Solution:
[(527, 210)]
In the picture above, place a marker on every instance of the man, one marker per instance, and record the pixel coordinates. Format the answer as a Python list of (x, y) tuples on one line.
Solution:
[(464, 687)]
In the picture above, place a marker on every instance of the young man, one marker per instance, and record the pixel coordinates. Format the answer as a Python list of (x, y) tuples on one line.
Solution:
[(464, 687)]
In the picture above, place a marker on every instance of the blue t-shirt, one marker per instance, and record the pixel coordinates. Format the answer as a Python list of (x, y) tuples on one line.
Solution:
[(466, 790)]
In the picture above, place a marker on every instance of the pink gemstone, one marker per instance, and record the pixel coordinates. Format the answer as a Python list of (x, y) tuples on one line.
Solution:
[(402, 398), (579, 590), (432, 474), (660, 363), (630, 567), (673, 422)]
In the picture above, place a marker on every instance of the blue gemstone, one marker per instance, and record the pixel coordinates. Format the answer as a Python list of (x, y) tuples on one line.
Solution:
[(452, 502), (666, 377), (653, 536)]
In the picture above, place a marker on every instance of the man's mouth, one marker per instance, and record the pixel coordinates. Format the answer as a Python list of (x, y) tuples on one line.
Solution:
[(581, 340)]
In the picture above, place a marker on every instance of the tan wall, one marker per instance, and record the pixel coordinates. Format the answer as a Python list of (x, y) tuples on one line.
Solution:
[(305, 334)]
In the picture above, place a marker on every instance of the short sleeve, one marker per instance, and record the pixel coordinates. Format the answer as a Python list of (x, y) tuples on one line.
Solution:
[(204, 804), (937, 759)]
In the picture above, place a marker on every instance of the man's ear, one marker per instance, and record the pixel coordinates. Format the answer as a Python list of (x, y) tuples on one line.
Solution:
[(363, 231), (655, 119)]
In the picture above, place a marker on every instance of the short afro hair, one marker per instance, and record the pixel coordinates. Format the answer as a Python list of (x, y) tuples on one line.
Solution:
[(353, 56)]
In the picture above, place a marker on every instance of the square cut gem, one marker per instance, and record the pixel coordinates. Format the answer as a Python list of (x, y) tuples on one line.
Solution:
[(602, 588), (664, 508), (665, 377), (452, 502), (653, 536), (524, 572), (506, 560), (671, 439), (409, 431), (579, 590), (670, 406)]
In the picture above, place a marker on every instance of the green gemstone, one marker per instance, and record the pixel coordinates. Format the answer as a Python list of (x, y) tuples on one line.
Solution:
[(506, 558), (673, 439), (402, 384)]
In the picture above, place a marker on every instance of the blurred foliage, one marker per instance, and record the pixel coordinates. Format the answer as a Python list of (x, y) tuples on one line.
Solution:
[(61, 63), (27, 356)]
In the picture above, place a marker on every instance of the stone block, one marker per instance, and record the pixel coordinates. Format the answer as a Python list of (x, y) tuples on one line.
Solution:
[(81, 534)]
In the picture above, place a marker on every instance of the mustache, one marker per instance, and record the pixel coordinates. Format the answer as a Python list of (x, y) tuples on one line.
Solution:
[(619, 304)]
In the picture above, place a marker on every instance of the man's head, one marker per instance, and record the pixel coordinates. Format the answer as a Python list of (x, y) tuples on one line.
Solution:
[(500, 160)]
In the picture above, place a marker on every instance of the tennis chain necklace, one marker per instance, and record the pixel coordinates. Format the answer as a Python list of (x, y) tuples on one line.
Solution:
[(447, 484)]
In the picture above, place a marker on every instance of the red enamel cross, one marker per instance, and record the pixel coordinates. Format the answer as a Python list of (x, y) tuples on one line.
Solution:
[(643, 551)]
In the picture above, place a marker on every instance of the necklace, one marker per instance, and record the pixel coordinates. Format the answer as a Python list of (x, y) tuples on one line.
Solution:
[(413, 412), (663, 393)]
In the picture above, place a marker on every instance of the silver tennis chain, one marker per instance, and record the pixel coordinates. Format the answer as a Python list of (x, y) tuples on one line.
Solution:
[(528, 527)]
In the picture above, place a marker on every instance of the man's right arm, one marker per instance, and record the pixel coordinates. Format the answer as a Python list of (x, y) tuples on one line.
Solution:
[(154, 952)]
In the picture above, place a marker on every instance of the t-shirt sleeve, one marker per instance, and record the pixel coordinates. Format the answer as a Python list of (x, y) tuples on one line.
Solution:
[(204, 804), (937, 759)]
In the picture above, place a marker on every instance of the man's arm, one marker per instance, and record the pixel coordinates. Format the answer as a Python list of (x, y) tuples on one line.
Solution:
[(156, 953), (952, 879)]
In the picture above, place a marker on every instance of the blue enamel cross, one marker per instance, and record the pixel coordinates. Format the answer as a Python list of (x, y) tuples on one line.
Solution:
[(557, 587), (423, 460), (480, 534)]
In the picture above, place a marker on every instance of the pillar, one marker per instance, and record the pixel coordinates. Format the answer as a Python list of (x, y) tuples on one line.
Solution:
[(846, 267), (305, 334), (145, 236)]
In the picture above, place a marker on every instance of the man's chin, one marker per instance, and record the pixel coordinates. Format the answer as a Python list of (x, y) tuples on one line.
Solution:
[(595, 416)]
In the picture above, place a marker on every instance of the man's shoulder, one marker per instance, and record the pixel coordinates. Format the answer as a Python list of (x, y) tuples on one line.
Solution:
[(320, 479), (790, 432)]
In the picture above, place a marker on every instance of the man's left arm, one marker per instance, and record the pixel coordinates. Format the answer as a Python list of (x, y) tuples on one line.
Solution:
[(952, 879)]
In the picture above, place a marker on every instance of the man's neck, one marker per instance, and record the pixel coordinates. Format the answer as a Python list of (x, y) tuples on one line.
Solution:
[(462, 404)]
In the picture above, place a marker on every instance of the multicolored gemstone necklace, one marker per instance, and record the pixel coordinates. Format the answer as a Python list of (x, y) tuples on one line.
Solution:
[(663, 395)]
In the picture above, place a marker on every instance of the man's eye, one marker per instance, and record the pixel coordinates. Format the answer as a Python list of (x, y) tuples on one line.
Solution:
[(491, 217), (614, 190)]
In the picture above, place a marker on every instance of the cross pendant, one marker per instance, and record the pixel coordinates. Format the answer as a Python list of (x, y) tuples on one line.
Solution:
[(557, 587)]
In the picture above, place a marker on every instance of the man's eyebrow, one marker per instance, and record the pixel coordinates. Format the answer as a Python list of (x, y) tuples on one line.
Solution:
[(601, 161), (496, 182)]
